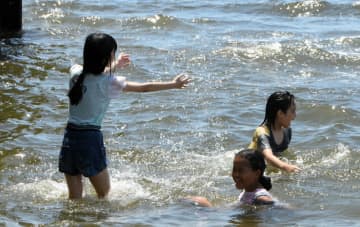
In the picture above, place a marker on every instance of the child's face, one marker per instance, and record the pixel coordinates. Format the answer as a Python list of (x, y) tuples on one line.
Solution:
[(243, 175), (286, 118)]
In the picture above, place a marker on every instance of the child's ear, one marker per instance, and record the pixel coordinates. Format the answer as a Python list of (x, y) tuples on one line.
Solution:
[(279, 113), (258, 173)]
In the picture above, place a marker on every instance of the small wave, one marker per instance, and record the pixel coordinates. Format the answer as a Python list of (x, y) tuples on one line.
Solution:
[(251, 52), (333, 162), (302, 8), (54, 15), (44, 190), (349, 41), (203, 21), (356, 4), (287, 53), (162, 176), (316, 8), (325, 114), (124, 192), (157, 21), (127, 192), (341, 152)]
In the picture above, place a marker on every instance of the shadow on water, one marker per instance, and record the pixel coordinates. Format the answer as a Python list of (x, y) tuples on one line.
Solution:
[(10, 46)]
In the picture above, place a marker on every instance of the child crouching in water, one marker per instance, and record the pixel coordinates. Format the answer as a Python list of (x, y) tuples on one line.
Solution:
[(248, 175)]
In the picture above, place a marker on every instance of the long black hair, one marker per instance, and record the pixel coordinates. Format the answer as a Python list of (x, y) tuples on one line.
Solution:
[(97, 55), (279, 100), (257, 162)]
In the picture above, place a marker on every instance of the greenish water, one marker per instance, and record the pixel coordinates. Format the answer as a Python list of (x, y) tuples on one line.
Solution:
[(166, 145)]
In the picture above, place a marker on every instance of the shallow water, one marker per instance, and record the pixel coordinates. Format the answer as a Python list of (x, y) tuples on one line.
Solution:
[(166, 145)]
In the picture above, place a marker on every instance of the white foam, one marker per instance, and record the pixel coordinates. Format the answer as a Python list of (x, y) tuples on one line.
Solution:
[(127, 192), (357, 3), (341, 152), (43, 190)]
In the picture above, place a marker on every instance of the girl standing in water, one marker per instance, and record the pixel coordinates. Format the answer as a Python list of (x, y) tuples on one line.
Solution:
[(273, 135), (92, 86)]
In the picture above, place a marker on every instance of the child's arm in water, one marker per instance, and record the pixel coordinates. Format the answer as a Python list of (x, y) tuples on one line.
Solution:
[(180, 81), (264, 200), (275, 161), (199, 201)]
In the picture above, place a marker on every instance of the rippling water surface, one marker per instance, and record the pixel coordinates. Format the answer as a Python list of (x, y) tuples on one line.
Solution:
[(166, 145)]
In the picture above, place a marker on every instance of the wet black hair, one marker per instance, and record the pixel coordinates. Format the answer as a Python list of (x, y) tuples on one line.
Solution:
[(279, 100), (97, 55), (257, 162)]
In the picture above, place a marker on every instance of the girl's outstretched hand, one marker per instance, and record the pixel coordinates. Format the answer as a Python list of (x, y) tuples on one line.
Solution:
[(292, 168), (181, 80), (122, 61)]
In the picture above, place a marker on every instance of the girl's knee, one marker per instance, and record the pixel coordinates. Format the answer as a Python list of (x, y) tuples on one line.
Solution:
[(103, 192), (101, 183)]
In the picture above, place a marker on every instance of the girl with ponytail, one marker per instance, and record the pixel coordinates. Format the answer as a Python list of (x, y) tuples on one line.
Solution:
[(92, 86), (248, 175)]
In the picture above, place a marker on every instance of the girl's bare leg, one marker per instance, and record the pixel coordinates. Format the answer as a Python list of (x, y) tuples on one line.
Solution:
[(75, 186), (101, 183)]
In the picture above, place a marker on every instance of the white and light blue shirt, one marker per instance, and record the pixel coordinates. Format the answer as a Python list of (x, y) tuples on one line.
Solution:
[(98, 90)]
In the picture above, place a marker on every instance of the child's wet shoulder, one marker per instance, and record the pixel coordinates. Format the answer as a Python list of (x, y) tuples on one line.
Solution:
[(75, 70), (262, 130)]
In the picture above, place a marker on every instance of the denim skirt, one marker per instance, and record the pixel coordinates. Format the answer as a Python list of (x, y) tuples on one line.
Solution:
[(82, 152)]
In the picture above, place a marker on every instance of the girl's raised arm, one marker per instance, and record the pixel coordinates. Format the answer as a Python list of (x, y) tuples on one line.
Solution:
[(122, 61), (180, 81)]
